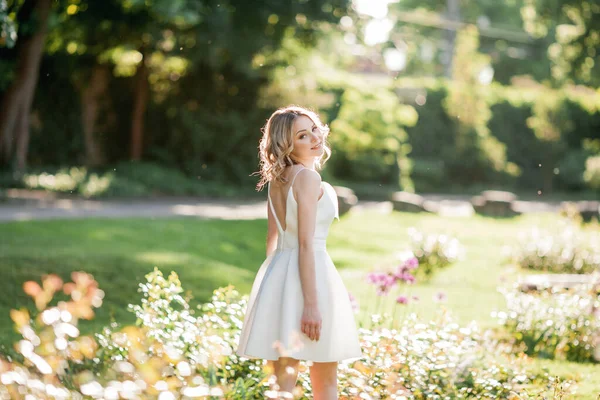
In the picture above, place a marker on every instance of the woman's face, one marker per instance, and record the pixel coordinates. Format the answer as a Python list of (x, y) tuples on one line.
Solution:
[(308, 139)]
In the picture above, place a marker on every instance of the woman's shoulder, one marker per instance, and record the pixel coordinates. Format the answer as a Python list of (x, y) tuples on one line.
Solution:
[(307, 180)]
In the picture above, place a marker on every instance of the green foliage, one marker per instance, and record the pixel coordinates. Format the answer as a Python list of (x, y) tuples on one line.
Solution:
[(572, 169), (554, 324), (124, 180), (478, 153), (547, 136), (368, 138), (8, 32), (572, 27), (592, 172), (434, 252)]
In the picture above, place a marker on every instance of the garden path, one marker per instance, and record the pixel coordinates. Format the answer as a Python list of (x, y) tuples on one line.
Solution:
[(21, 205)]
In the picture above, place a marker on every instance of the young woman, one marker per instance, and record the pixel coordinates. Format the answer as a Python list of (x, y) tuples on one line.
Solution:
[(299, 308)]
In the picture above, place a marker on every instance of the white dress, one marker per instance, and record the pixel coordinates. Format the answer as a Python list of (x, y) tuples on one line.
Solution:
[(272, 323)]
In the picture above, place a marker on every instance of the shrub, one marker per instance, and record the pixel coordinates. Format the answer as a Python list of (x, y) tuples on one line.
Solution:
[(569, 250), (433, 251), (126, 180), (592, 172), (369, 138), (571, 169), (554, 323), (433, 360)]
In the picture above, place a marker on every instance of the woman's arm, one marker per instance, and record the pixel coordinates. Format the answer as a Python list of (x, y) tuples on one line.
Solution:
[(272, 232), (307, 192)]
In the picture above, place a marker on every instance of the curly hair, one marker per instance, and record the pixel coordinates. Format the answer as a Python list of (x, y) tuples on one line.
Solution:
[(277, 143)]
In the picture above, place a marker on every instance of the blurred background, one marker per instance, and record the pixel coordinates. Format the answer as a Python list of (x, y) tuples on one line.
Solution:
[(167, 97), (150, 112)]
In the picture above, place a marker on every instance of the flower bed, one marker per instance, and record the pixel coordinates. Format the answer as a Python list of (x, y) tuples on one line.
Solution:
[(174, 353), (562, 324), (569, 250)]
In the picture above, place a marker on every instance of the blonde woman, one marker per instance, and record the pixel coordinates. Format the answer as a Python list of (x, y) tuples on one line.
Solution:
[(299, 308)]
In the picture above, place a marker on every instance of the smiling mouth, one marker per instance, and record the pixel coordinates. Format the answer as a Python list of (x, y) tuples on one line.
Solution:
[(316, 147)]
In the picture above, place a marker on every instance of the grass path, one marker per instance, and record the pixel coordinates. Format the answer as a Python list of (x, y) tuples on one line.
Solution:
[(211, 253)]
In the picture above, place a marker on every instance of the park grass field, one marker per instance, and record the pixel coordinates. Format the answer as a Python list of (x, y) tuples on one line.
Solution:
[(207, 254)]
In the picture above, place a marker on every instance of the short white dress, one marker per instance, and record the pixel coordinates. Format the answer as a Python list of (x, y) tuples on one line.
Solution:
[(272, 322)]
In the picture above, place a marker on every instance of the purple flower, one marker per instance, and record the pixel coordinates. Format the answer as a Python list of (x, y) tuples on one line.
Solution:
[(440, 297), (382, 290), (402, 300), (388, 280), (372, 277), (412, 263), (404, 276)]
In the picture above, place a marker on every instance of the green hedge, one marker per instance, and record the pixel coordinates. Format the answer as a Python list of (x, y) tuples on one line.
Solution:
[(548, 135)]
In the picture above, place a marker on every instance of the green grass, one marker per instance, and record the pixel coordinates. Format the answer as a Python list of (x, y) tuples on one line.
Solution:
[(211, 253)]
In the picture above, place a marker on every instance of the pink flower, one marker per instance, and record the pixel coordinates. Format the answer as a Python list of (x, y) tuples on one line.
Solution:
[(383, 290), (402, 300), (404, 276), (372, 277), (440, 297), (412, 263)]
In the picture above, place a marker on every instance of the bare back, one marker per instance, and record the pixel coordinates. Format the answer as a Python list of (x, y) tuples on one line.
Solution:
[(279, 193)]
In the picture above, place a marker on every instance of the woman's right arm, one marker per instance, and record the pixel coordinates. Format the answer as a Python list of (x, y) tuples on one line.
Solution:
[(308, 190)]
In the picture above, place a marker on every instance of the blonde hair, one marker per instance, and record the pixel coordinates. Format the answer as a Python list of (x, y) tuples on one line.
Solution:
[(277, 143)]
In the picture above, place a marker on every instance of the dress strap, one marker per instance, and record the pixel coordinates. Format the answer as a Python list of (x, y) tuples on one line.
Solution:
[(294, 178)]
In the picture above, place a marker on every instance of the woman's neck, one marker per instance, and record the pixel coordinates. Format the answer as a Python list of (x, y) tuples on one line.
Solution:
[(310, 163)]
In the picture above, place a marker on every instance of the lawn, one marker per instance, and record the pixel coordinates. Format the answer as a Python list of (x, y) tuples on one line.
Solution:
[(211, 253)]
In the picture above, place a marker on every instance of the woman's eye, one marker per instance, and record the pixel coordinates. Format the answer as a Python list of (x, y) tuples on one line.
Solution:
[(302, 136), (314, 127)]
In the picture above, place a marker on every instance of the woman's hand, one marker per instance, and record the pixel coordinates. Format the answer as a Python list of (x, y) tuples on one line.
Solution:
[(310, 324)]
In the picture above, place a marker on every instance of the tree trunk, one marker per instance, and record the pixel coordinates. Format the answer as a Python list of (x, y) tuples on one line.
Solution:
[(90, 107), (11, 104), (16, 104), (139, 110)]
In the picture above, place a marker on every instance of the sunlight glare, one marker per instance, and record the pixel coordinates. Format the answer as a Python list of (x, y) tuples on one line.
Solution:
[(378, 31), (373, 8)]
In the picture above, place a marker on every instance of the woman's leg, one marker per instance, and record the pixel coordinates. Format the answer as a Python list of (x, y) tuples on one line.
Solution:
[(323, 377), (286, 371)]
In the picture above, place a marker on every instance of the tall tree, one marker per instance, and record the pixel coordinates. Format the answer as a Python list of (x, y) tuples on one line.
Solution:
[(32, 22)]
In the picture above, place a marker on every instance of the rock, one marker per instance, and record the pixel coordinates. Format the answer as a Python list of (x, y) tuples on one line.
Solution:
[(346, 199), (408, 202), (539, 282), (495, 203), (498, 196), (589, 210)]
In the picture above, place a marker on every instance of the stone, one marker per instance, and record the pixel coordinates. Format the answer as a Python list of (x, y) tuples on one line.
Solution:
[(498, 196), (539, 282), (495, 203), (588, 210), (346, 199), (408, 202)]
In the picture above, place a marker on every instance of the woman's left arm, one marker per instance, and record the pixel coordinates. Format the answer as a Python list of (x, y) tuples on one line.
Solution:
[(272, 233)]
